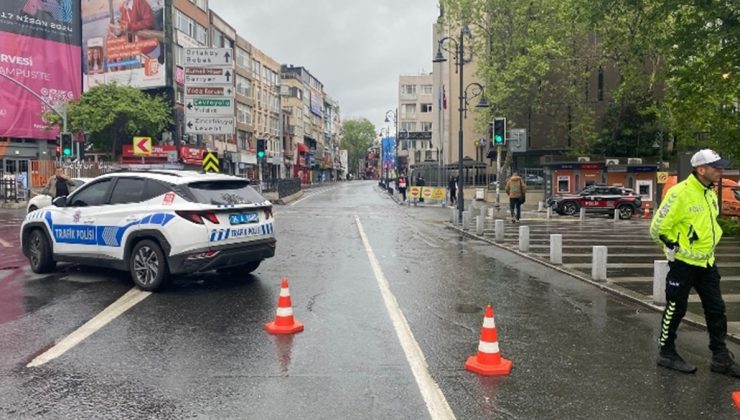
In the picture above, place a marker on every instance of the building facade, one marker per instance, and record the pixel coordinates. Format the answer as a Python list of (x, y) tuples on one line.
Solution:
[(417, 112)]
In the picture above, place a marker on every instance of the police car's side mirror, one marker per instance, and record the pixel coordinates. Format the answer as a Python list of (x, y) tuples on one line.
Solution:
[(60, 201)]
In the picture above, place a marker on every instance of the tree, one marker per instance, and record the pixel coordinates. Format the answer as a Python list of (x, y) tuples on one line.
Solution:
[(111, 114), (357, 137)]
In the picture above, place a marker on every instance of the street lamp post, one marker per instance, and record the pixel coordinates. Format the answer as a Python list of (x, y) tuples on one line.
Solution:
[(459, 52)]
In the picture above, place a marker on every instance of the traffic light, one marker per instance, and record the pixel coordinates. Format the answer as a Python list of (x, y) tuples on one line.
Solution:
[(260, 149), (66, 144), (499, 131)]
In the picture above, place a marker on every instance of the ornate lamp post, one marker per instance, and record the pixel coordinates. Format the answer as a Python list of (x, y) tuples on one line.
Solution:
[(477, 90)]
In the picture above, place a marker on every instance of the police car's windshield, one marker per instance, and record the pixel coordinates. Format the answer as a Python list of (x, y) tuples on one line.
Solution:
[(224, 192)]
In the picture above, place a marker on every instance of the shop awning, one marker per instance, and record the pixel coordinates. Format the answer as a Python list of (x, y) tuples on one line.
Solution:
[(302, 148)]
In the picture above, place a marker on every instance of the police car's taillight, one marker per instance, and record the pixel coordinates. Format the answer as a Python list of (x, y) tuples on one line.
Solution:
[(198, 216)]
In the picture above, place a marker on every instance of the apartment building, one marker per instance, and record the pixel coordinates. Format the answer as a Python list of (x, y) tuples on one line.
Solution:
[(266, 85), (417, 111), (245, 103)]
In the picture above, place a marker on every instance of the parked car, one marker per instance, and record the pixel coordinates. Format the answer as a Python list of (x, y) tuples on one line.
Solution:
[(154, 224), (43, 199), (598, 199), (534, 179)]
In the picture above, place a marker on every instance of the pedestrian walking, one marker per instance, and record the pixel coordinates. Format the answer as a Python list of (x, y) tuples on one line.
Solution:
[(686, 227), (59, 185), (420, 182), (402, 184), (516, 190), (452, 187)]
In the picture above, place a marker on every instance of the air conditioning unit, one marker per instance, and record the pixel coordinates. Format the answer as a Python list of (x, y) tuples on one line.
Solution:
[(612, 162), (584, 159), (634, 161)]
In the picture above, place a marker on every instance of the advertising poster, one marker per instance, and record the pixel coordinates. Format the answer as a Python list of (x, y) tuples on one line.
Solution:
[(123, 41), (39, 61)]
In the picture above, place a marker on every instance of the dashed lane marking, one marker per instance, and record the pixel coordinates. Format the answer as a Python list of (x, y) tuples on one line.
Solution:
[(124, 303), (433, 397)]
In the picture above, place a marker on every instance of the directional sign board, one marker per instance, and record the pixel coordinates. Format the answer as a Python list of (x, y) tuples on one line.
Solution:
[(208, 57), (210, 90), (209, 125), (208, 75), (142, 146), (209, 106), (210, 162)]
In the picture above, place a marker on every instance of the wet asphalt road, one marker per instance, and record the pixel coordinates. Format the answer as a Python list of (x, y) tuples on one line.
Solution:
[(197, 350)]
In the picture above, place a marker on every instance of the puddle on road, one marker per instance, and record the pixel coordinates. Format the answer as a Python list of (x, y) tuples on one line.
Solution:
[(468, 308)]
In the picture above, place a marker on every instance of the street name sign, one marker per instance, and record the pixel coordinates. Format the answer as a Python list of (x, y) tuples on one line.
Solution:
[(210, 90), (208, 75), (201, 57), (209, 106), (209, 125)]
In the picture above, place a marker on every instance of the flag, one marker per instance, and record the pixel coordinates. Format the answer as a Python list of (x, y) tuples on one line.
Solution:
[(444, 98)]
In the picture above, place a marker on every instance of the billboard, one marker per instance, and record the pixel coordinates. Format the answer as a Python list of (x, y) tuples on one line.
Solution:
[(123, 41), (40, 53), (316, 103)]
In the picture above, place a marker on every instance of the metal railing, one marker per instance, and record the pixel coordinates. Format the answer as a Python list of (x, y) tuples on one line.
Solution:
[(11, 189), (283, 186)]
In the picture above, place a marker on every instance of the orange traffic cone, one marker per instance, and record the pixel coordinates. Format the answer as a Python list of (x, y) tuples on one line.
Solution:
[(488, 361), (736, 398), (284, 322), (646, 212)]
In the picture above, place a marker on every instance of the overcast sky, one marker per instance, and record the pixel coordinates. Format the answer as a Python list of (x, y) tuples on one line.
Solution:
[(357, 49)]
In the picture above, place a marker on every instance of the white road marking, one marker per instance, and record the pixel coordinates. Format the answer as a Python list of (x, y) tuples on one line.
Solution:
[(433, 397), (429, 241), (309, 196), (5, 243), (124, 303)]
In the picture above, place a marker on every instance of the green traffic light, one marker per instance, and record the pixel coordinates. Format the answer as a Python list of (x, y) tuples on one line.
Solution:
[(260, 154), (67, 152)]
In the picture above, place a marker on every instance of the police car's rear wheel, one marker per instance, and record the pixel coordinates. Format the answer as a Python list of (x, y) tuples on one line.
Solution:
[(625, 211), (148, 265), (39, 253), (570, 208)]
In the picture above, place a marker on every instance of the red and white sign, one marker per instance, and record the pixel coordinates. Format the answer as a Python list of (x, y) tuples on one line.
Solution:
[(142, 146)]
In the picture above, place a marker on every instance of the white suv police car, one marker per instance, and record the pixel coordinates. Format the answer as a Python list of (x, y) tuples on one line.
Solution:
[(154, 224)]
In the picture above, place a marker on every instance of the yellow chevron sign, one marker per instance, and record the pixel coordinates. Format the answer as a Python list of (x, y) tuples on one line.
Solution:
[(211, 163)]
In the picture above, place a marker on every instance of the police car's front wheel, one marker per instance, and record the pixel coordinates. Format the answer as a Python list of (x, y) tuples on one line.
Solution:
[(39, 253), (148, 265)]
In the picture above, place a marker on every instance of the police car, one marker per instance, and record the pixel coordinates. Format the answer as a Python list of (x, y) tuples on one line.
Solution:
[(154, 224)]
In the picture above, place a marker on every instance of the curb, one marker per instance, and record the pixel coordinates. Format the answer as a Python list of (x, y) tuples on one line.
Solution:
[(691, 319), (288, 199)]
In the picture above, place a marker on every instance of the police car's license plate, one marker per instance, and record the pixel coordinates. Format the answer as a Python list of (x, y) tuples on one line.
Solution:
[(242, 218)]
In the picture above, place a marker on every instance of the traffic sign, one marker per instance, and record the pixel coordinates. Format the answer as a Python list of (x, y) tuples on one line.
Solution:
[(202, 57), (208, 75), (209, 125), (142, 146), (211, 163), (209, 106), (210, 90)]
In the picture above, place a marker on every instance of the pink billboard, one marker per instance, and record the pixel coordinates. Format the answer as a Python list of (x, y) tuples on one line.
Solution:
[(50, 69), (39, 62)]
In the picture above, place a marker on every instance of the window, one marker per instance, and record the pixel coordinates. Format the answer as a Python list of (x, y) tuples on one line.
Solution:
[(94, 194), (242, 58), (243, 113), (426, 89), (179, 55), (426, 107), (408, 126), (154, 189), (426, 126), (408, 109), (256, 65), (217, 39), (243, 87), (408, 89), (189, 27), (127, 190), (242, 139)]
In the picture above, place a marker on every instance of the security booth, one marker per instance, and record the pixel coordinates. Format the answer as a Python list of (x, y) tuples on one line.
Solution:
[(571, 177), (641, 178)]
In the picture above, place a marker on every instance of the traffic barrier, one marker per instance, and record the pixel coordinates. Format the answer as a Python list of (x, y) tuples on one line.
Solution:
[(524, 238), (660, 272), (598, 263), (284, 322), (736, 398), (499, 230), (556, 248), (488, 360)]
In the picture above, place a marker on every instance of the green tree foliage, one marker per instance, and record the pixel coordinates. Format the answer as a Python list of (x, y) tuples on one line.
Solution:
[(357, 137), (111, 114)]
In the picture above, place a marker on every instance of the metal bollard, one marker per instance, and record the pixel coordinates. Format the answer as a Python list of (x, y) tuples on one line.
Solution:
[(660, 272), (549, 212), (598, 263), (583, 213), (479, 225), (524, 238), (556, 248), (540, 206), (616, 215), (499, 228)]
